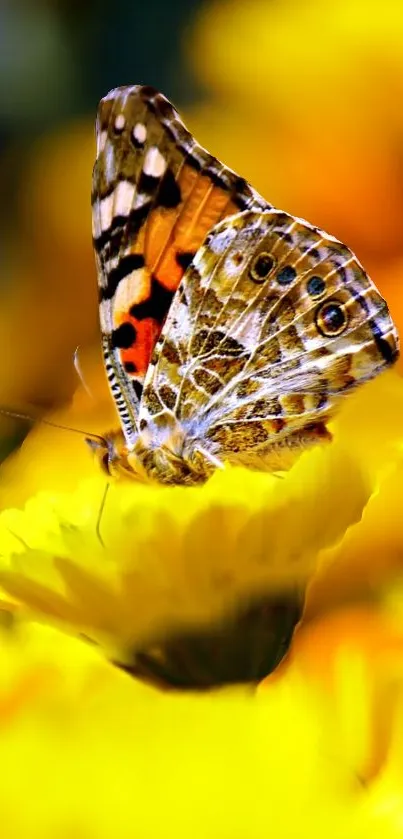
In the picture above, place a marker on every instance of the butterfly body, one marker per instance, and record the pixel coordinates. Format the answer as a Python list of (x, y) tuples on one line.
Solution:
[(230, 329)]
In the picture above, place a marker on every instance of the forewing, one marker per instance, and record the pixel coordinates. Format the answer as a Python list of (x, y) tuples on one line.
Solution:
[(273, 322), (156, 193)]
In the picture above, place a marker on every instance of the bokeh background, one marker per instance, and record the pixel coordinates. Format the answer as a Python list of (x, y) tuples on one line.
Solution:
[(302, 97)]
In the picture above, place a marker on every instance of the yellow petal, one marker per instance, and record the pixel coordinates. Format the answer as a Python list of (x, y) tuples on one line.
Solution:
[(176, 558), (91, 753)]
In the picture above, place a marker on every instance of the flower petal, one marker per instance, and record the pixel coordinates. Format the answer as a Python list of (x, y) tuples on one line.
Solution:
[(176, 560)]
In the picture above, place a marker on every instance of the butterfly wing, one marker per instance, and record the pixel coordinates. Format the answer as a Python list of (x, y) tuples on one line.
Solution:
[(155, 195), (273, 321)]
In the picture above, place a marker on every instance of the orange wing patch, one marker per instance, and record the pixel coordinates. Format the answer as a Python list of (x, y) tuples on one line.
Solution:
[(166, 242)]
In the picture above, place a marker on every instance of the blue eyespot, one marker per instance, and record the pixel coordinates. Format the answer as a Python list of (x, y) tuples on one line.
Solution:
[(331, 319), (286, 275), (315, 286), (261, 267)]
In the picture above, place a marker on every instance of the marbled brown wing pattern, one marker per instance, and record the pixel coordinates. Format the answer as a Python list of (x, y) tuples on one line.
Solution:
[(156, 193), (273, 321)]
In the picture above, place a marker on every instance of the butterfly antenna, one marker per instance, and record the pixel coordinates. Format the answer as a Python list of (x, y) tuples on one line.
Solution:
[(7, 412), (80, 374), (100, 514)]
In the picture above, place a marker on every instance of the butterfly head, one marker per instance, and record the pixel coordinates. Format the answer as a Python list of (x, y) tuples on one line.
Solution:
[(112, 455)]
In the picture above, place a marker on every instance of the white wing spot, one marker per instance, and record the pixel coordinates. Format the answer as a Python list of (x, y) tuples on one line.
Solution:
[(109, 162), (106, 211), (124, 195), (120, 122), (140, 132), (154, 163), (96, 222)]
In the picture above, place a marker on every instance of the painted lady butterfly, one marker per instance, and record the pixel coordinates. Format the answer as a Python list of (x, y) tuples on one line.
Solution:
[(229, 328)]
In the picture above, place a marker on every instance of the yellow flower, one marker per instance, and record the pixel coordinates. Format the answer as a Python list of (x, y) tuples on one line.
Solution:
[(89, 752), (352, 652)]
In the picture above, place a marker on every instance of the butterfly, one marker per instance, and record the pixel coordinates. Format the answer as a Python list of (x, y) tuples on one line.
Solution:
[(230, 329)]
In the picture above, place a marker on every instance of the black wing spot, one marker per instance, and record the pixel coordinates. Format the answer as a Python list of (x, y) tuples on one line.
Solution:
[(124, 336), (169, 194), (138, 388), (215, 177), (157, 304), (148, 183), (184, 259), (388, 353)]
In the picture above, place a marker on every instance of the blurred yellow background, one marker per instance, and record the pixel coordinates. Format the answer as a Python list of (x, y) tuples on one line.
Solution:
[(302, 97)]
